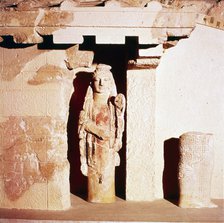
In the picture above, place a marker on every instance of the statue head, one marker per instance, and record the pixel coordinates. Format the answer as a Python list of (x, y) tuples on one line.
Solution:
[(103, 81)]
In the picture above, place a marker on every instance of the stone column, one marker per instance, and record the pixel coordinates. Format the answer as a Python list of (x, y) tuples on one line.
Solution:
[(195, 170), (140, 178)]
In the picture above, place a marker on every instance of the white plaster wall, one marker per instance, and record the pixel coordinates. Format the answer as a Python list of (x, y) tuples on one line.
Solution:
[(190, 95)]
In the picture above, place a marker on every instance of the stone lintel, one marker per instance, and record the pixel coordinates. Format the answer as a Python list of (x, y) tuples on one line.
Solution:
[(150, 26), (144, 63), (69, 26)]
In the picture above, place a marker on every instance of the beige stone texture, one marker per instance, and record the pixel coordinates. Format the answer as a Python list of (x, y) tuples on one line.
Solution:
[(18, 103), (59, 188), (34, 108), (60, 18), (32, 157), (34, 198), (34, 64), (56, 107), (15, 18), (140, 182), (57, 58), (1, 102), (70, 26), (69, 4), (189, 96), (195, 170), (76, 58), (1, 62), (17, 57), (22, 35), (152, 51), (34, 104), (217, 10), (66, 24)]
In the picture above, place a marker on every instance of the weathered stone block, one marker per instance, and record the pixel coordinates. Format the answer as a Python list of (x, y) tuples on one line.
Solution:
[(19, 57), (1, 102), (15, 18), (38, 59), (1, 165), (34, 198), (59, 18), (32, 156), (32, 81), (57, 57), (56, 106), (140, 182), (18, 103), (76, 58), (6, 103), (56, 147), (22, 34), (2, 193), (1, 62), (38, 145), (195, 170), (59, 188)]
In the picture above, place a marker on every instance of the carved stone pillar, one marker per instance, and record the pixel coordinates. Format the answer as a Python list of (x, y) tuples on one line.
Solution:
[(195, 170), (140, 178)]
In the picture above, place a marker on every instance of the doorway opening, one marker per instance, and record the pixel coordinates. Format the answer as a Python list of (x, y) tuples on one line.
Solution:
[(117, 56)]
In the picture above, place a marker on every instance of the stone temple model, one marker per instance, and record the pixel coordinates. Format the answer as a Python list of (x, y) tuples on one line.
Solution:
[(101, 125)]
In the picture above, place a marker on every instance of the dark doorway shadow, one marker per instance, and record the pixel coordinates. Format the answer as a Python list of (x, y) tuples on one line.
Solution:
[(171, 189), (116, 57), (78, 182)]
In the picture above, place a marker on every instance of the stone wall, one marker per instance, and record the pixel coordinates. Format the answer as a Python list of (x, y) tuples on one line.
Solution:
[(189, 98), (35, 89)]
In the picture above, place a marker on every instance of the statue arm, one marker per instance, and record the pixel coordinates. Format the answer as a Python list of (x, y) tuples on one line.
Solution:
[(98, 131), (119, 103), (87, 125)]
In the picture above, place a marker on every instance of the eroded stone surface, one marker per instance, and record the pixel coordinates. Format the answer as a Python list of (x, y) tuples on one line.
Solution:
[(140, 176), (66, 25), (188, 98), (76, 58), (30, 4), (19, 58), (195, 170), (24, 163), (49, 73)]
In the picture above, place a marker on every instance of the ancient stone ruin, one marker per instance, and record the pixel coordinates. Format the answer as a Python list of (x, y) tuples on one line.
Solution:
[(195, 170), (166, 58)]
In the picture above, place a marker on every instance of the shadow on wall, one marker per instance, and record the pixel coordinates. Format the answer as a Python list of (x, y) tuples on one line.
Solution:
[(171, 188), (78, 182)]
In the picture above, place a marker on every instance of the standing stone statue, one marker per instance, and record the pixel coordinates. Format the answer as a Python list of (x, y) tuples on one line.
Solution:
[(195, 170), (101, 125)]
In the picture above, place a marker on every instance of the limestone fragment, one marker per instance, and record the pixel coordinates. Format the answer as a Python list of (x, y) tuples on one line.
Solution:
[(49, 73), (195, 170), (77, 58)]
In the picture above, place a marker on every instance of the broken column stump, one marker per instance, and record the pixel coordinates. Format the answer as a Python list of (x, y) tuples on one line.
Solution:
[(195, 170)]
